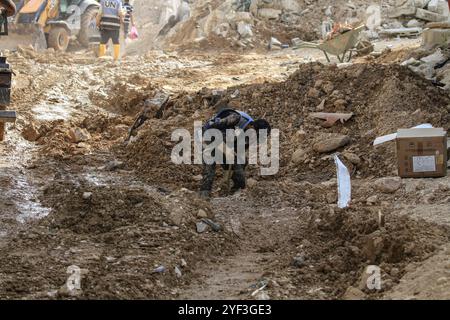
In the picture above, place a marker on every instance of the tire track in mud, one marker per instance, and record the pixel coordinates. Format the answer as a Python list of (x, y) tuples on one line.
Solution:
[(240, 276), (21, 177)]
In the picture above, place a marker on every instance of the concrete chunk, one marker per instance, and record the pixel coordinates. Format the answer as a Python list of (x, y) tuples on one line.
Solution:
[(429, 16), (435, 37), (402, 11)]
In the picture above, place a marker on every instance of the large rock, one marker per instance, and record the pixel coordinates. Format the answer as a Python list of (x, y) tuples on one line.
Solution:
[(430, 16), (438, 6), (435, 37), (79, 135), (408, 9), (330, 142), (388, 184), (244, 30), (176, 217), (270, 14), (31, 133)]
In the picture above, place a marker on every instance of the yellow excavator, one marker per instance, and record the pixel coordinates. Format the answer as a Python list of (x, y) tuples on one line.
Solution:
[(52, 24)]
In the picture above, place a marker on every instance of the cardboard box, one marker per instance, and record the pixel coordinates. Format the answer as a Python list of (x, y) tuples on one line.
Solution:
[(422, 153)]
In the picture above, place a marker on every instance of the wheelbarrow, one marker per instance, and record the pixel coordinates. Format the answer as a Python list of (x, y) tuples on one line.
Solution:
[(338, 46)]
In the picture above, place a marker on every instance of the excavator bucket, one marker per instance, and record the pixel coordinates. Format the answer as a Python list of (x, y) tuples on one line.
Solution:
[(26, 27)]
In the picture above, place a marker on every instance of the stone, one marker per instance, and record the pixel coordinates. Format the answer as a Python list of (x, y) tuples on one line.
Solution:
[(178, 272), (299, 261), (388, 184), (243, 16), (340, 104), (114, 165), (299, 156), (372, 200), (328, 87), (299, 136), (244, 30), (353, 293), (269, 13), (397, 12), (435, 37), (201, 227), (429, 16), (353, 158), (313, 93), (79, 135), (331, 142), (183, 263), (296, 41), (438, 6), (159, 269), (202, 214), (31, 133), (251, 183), (120, 130), (176, 217), (87, 195), (414, 23)]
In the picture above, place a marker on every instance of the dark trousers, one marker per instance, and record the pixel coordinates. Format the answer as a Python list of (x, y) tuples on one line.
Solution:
[(113, 34), (126, 29), (209, 174)]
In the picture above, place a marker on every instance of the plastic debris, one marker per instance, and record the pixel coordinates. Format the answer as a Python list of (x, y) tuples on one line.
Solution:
[(344, 183)]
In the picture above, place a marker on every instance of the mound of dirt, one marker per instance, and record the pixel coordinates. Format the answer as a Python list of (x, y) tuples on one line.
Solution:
[(382, 98), (118, 234), (336, 246)]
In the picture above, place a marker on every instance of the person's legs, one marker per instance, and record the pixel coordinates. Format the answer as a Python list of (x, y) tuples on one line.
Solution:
[(115, 35), (238, 177), (104, 40), (209, 174), (126, 29)]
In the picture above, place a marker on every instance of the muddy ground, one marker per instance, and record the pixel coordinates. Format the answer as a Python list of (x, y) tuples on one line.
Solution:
[(73, 194)]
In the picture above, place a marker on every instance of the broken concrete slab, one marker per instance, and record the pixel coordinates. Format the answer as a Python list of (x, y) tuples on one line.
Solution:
[(398, 12), (430, 16), (406, 32), (434, 37), (438, 6)]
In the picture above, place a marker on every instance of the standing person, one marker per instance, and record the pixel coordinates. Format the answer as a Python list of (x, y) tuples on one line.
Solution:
[(109, 20), (128, 17)]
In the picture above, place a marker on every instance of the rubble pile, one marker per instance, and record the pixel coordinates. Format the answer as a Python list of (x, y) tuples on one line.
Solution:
[(248, 24), (411, 17), (434, 67), (381, 99)]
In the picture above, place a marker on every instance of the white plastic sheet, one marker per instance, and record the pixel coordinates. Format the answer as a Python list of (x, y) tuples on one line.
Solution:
[(393, 136), (344, 183)]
